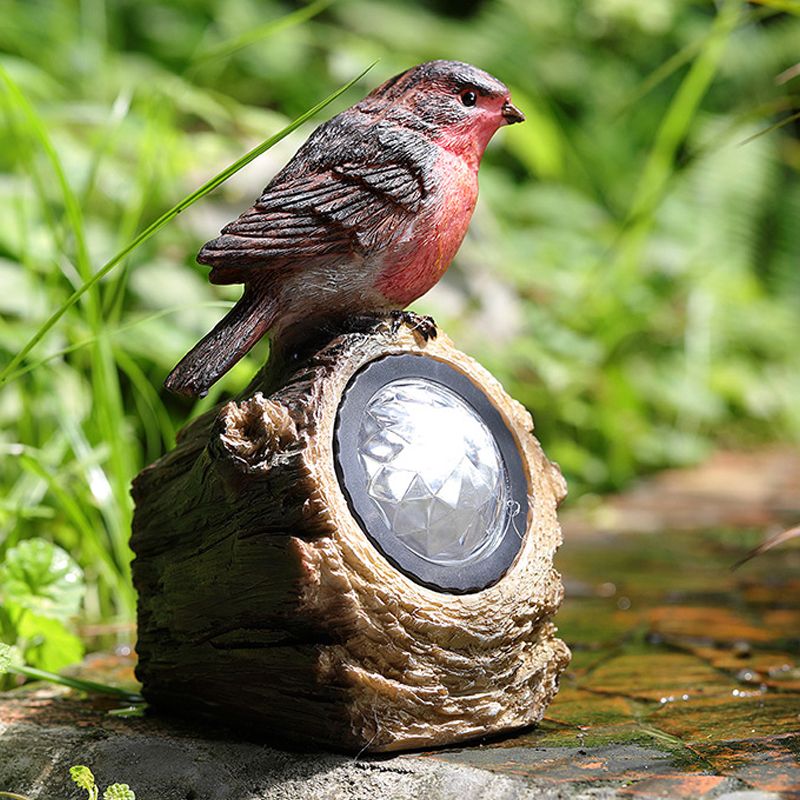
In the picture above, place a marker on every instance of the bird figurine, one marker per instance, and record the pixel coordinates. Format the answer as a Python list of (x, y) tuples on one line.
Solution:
[(364, 219)]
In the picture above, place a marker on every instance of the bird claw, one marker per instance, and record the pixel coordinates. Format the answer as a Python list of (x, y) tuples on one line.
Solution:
[(419, 324), (424, 325)]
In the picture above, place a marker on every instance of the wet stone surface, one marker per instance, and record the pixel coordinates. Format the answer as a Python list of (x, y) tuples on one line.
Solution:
[(685, 682)]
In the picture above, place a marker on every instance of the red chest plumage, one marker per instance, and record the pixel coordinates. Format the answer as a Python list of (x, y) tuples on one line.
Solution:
[(420, 261)]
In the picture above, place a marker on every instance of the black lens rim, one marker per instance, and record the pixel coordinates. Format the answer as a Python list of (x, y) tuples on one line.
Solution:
[(468, 578)]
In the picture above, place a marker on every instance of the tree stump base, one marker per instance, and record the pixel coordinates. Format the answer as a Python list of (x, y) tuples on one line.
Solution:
[(262, 600)]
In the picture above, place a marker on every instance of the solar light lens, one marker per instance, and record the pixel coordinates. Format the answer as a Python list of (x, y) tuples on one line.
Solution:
[(431, 472), (434, 471)]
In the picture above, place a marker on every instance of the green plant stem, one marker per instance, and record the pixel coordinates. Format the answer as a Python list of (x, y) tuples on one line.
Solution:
[(166, 217), (779, 124)]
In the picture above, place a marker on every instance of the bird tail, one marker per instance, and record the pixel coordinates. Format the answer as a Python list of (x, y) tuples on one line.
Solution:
[(220, 349)]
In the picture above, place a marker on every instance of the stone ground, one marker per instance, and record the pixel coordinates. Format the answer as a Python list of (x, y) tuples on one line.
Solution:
[(685, 680)]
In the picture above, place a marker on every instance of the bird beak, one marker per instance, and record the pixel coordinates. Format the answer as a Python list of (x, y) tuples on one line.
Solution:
[(511, 113)]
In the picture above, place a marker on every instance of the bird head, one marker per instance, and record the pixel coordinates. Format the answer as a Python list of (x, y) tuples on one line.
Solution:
[(459, 105)]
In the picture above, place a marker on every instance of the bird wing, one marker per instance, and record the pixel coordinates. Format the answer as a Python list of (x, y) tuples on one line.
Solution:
[(345, 210)]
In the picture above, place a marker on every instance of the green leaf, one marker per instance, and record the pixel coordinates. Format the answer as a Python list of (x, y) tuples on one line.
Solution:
[(47, 644), (41, 577), (119, 791), (83, 777)]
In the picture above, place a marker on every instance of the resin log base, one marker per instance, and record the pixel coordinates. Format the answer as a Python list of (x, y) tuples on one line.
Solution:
[(262, 601)]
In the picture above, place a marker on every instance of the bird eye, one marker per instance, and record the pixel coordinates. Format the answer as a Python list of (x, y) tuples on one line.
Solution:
[(469, 98)]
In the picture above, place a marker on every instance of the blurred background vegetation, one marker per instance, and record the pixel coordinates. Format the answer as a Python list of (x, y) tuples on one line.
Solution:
[(632, 273)]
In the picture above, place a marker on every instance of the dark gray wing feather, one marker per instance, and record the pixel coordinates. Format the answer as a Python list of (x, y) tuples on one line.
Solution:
[(346, 210)]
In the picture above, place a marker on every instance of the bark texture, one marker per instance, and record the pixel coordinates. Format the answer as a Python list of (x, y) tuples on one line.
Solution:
[(262, 600)]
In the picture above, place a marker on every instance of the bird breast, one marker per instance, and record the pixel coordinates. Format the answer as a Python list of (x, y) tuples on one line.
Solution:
[(419, 261)]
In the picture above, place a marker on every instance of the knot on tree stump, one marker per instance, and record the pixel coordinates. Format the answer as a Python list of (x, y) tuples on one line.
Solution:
[(255, 430)]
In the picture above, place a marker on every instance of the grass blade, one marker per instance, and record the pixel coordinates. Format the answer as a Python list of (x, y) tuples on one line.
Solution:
[(683, 57), (672, 131), (112, 333), (166, 217), (77, 683), (232, 45), (786, 6)]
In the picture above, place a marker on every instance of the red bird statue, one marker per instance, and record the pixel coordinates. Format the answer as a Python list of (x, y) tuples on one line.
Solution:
[(363, 220)]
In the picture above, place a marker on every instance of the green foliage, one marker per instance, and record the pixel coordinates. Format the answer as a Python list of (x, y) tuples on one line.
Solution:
[(119, 791), (154, 227), (84, 778), (42, 578), (41, 590), (632, 272), (47, 644)]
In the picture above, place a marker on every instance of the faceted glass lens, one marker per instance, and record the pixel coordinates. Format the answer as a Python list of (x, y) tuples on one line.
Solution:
[(435, 472)]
